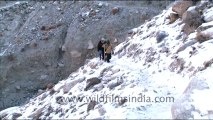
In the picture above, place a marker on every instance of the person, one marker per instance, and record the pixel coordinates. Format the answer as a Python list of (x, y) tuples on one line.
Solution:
[(107, 51), (101, 49)]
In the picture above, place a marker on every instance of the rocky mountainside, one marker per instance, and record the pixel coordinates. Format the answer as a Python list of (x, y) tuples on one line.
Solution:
[(162, 71), (43, 42)]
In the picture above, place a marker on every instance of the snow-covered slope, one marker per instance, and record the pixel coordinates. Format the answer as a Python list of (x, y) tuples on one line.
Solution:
[(145, 79)]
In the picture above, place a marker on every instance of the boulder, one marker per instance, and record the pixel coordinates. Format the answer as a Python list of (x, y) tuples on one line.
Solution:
[(16, 115), (91, 82), (43, 96), (52, 91), (49, 86), (203, 5), (98, 87), (173, 17), (181, 6), (160, 35), (90, 45), (61, 100), (164, 50), (115, 70), (100, 5), (37, 114), (192, 17), (69, 85), (115, 10), (115, 83), (91, 105)]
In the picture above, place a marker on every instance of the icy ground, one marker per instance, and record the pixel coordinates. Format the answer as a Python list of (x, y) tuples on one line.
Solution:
[(139, 67)]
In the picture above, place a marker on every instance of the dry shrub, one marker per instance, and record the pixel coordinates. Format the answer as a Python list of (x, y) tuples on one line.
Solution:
[(49, 86), (177, 65), (208, 63), (11, 57), (187, 29), (202, 37), (49, 27), (18, 41), (34, 45)]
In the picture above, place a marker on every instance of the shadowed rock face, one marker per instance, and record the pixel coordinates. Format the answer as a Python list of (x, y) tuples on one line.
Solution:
[(43, 42)]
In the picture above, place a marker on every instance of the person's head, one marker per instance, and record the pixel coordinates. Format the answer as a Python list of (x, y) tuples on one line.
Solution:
[(108, 42), (102, 39), (99, 42)]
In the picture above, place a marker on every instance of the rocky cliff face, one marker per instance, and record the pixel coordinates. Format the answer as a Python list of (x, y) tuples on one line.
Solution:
[(163, 71), (43, 42)]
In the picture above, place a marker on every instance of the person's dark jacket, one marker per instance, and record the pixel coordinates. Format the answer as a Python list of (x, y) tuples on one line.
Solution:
[(100, 46)]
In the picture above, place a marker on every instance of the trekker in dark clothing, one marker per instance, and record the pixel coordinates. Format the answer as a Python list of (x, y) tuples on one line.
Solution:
[(101, 49), (108, 50)]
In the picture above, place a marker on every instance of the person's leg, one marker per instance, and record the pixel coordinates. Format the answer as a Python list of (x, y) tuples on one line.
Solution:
[(102, 54), (105, 57), (99, 53), (108, 57)]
